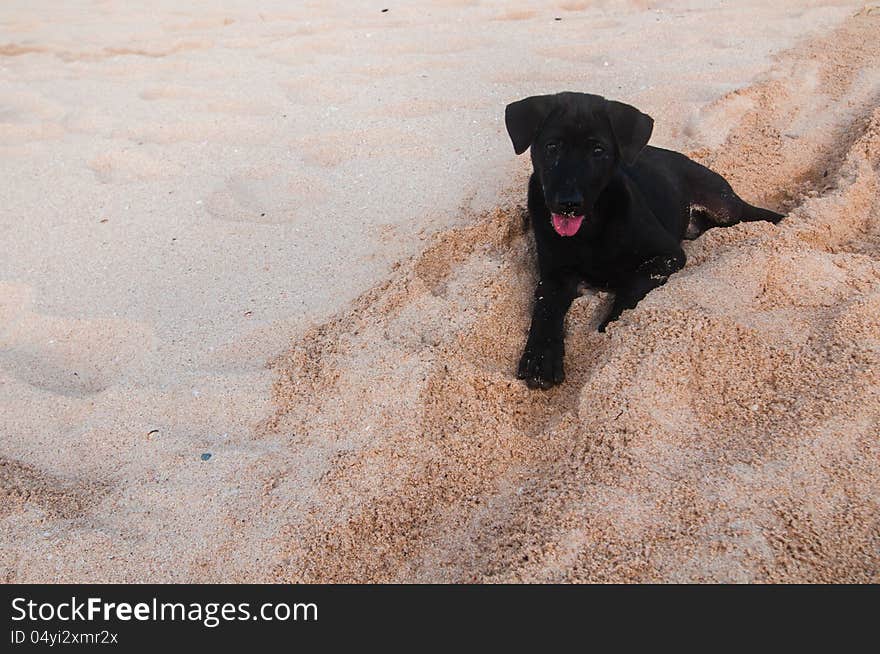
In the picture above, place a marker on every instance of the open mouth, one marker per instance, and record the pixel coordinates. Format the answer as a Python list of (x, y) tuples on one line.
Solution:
[(566, 224)]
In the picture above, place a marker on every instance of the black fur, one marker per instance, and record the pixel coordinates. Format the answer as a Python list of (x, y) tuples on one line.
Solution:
[(591, 158)]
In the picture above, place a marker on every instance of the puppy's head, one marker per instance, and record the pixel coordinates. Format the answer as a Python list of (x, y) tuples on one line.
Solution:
[(577, 140)]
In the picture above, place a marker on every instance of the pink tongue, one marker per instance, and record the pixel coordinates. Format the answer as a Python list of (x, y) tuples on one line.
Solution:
[(566, 225)]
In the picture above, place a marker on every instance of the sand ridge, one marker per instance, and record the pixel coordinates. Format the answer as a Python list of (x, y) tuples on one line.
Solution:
[(725, 430)]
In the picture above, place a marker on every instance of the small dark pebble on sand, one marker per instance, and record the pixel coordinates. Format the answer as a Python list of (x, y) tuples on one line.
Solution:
[(206, 456)]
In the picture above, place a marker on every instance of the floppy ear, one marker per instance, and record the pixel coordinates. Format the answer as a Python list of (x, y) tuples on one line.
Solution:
[(524, 119), (632, 129)]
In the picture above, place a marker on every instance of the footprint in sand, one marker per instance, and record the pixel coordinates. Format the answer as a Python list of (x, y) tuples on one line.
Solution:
[(410, 65), (338, 147), (447, 44), (148, 49), (417, 108), (256, 197), (198, 25), (67, 356), (16, 49), (23, 486), (309, 90), (516, 14), (27, 116), (131, 165), (172, 92), (236, 130)]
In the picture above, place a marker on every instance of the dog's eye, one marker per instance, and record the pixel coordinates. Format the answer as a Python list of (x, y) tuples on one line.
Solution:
[(551, 148), (598, 151)]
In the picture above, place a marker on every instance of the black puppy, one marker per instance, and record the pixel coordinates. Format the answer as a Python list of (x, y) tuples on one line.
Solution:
[(607, 210)]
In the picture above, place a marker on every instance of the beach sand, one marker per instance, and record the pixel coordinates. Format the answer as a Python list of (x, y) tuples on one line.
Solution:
[(266, 277)]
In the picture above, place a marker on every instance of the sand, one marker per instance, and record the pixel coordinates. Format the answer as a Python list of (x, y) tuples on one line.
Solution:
[(293, 240)]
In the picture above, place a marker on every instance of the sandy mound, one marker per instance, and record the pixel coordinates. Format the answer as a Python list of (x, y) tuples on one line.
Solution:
[(726, 429)]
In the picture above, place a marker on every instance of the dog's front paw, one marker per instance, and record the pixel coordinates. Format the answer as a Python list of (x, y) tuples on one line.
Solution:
[(541, 364)]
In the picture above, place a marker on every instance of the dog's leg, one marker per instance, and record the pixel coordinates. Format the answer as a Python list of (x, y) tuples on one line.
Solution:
[(541, 364), (652, 273), (750, 213), (727, 208), (715, 204)]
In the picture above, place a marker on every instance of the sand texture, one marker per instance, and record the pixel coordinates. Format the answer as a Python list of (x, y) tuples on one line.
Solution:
[(333, 308), (725, 430)]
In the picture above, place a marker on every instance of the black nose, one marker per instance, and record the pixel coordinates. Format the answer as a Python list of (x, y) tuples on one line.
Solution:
[(570, 203)]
